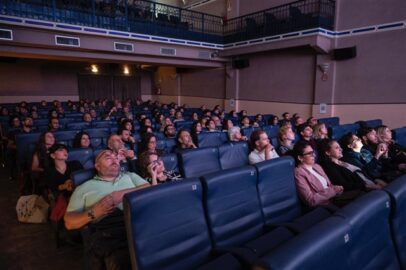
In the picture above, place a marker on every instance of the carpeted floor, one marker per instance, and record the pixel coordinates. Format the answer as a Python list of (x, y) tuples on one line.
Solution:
[(30, 246)]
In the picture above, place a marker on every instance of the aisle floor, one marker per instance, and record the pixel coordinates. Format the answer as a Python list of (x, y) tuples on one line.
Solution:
[(30, 246)]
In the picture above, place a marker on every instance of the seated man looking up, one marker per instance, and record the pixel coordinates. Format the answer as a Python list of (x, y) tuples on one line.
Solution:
[(263, 149), (234, 135), (93, 204), (116, 144)]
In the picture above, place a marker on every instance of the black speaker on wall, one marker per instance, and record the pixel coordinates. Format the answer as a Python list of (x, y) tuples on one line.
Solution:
[(345, 53), (241, 63)]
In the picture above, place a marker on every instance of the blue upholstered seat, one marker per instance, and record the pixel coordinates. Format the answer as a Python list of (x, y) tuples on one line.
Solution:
[(171, 162), (81, 176), (200, 161), (336, 132), (278, 195), (399, 134), (65, 136), (77, 125), (397, 193), (83, 155), (330, 121), (211, 139), (98, 137), (167, 229), (233, 154)]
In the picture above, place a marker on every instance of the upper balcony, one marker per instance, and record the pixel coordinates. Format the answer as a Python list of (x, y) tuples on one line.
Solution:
[(158, 20)]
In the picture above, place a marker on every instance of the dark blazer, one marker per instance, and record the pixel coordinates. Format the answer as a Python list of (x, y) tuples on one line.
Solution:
[(342, 176)]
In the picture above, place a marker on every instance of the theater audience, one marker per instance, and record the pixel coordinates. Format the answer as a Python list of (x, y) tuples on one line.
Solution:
[(82, 140), (53, 124), (210, 126), (27, 126), (286, 138), (40, 158), (342, 173), (234, 135), (320, 132), (170, 131), (262, 148), (184, 140), (245, 122), (227, 124), (127, 124), (306, 134), (58, 173), (97, 203), (129, 141), (355, 154), (313, 185), (153, 170), (148, 143), (396, 152), (87, 118)]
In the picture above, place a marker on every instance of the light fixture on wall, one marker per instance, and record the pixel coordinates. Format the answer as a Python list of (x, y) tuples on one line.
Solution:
[(324, 67), (126, 70), (94, 68)]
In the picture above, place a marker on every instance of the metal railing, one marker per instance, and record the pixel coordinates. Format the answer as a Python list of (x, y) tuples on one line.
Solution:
[(146, 17), (295, 16)]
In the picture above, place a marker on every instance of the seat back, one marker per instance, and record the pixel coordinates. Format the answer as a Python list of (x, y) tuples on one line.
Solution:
[(371, 246), (330, 121), (277, 190), (324, 246), (23, 141), (397, 193), (336, 132), (166, 226), (233, 155), (271, 131), (81, 176), (77, 125), (373, 123), (171, 162), (102, 124), (232, 205), (210, 139), (200, 161), (83, 155), (399, 134), (98, 136), (65, 137)]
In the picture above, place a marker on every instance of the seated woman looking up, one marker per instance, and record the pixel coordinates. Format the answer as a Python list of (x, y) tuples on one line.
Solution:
[(58, 173), (263, 149), (396, 152), (312, 183), (82, 140), (234, 135), (342, 173), (153, 169), (286, 138)]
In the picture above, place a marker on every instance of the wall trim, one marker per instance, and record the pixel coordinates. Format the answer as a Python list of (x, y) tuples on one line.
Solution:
[(17, 99)]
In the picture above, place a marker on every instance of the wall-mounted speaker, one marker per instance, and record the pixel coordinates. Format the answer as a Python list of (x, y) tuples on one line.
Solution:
[(345, 53), (241, 63)]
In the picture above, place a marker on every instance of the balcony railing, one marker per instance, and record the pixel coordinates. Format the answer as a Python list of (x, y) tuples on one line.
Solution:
[(146, 17)]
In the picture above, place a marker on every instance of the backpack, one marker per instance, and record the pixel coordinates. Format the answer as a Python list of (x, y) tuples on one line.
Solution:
[(32, 209)]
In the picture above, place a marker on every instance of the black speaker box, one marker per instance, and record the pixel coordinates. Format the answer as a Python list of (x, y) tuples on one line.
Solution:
[(345, 53), (241, 63)]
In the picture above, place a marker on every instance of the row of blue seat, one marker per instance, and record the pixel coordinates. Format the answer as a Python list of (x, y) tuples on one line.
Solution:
[(254, 217), (183, 224)]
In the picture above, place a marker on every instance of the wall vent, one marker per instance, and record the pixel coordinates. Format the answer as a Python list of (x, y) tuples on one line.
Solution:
[(123, 47), (67, 41), (6, 34), (168, 51), (204, 55)]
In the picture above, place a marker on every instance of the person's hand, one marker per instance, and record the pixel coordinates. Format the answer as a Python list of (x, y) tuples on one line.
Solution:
[(153, 171), (268, 148), (338, 189), (131, 138), (129, 154), (104, 207), (244, 138), (69, 185), (380, 150)]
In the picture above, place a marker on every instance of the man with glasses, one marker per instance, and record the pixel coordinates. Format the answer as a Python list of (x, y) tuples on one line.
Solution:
[(97, 203)]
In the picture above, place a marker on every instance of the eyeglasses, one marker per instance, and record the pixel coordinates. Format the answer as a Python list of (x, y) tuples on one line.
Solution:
[(311, 153), (156, 162)]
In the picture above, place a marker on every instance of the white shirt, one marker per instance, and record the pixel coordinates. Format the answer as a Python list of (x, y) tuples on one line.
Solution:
[(322, 180), (256, 156)]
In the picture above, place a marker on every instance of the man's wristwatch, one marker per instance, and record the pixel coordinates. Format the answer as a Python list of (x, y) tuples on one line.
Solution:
[(90, 214)]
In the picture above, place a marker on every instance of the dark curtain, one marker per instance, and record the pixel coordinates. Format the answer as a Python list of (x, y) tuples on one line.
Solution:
[(95, 87)]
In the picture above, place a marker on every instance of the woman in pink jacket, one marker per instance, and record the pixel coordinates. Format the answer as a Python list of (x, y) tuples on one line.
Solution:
[(312, 183)]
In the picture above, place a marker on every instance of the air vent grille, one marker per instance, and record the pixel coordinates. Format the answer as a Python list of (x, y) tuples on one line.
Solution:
[(67, 41), (6, 34), (168, 51), (204, 55), (124, 47)]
